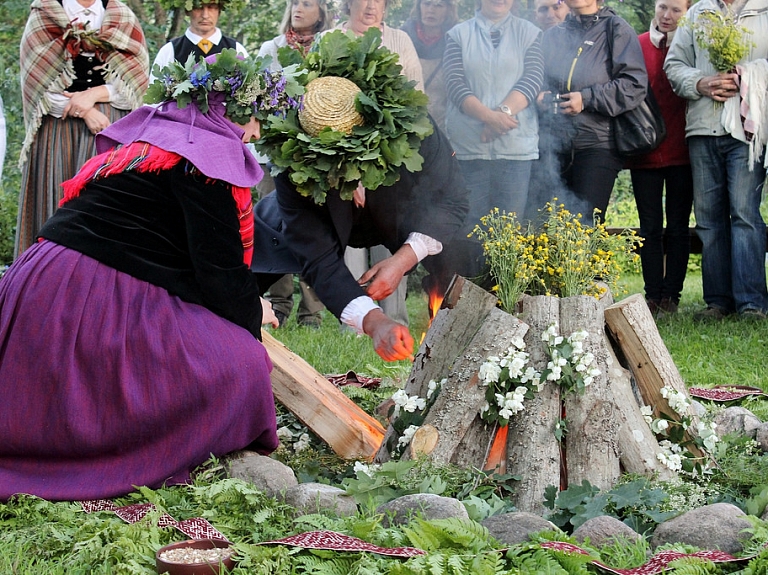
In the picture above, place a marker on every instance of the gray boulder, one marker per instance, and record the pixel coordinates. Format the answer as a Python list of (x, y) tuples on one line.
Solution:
[(737, 420), (265, 473), (717, 526), (605, 530), (427, 505), (761, 436), (513, 528), (309, 498)]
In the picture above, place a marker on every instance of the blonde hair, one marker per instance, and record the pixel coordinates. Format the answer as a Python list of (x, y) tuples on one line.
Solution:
[(324, 23)]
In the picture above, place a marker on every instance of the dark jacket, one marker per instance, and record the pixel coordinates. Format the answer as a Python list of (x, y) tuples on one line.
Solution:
[(611, 81), (432, 201)]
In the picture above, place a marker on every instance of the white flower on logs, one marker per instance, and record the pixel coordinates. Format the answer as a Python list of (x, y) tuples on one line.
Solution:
[(407, 435), (406, 402)]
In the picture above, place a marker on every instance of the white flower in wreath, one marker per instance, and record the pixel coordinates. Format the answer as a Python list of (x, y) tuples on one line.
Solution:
[(517, 365), (365, 468), (433, 386), (302, 443)]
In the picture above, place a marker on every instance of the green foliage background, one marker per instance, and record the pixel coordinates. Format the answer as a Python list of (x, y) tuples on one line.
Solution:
[(255, 23)]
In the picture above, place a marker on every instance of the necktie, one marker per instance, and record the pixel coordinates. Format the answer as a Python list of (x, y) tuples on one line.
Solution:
[(205, 45)]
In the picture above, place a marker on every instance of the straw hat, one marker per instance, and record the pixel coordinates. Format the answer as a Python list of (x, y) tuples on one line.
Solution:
[(329, 102)]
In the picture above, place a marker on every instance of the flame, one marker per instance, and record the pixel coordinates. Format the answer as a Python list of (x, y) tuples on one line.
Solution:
[(433, 306)]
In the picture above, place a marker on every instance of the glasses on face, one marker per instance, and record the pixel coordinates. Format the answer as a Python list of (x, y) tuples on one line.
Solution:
[(433, 4)]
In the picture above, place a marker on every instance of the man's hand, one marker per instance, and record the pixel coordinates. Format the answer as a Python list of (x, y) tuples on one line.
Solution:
[(719, 87), (383, 278), (391, 340)]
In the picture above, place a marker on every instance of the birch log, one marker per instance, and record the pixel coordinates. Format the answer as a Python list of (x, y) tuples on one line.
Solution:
[(591, 444), (632, 326), (533, 453)]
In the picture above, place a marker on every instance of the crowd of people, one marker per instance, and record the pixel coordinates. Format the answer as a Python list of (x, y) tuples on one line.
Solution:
[(130, 320)]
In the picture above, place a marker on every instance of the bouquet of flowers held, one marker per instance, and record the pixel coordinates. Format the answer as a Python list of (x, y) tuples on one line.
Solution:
[(725, 41), (250, 88)]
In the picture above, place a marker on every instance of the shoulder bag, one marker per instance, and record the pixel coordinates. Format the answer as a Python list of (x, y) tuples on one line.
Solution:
[(640, 130)]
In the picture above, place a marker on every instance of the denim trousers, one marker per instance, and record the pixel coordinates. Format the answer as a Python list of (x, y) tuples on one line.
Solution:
[(492, 184), (726, 202), (664, 276)]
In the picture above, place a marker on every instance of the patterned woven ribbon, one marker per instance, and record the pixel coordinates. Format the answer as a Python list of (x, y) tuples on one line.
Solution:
[(655, 564), (195, 527), (725, 392)]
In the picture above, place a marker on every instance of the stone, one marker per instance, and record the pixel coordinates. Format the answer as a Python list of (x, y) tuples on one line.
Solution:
[(761, 436), (605, 530), (267, 474), (426, 505), (737, 420), (309, 498), (717, 526), (515, 527)]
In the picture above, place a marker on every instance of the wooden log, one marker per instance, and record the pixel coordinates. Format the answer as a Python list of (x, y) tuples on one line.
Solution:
[(321, 406), (533, 453), (632, 326), (591, 444), (638, 447), (462, 312), (462, 396)]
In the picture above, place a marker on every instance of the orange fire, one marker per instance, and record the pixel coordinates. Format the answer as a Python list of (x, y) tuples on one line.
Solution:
[(433, 306)]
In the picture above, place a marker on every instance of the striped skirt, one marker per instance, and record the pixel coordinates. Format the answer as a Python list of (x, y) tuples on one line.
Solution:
[(60, 149)]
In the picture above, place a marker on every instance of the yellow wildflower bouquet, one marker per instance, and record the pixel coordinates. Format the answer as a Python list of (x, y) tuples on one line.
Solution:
[(725, 41), (564, 258)]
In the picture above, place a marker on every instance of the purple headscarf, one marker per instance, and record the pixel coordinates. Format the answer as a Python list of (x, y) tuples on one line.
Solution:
[(209, 141)]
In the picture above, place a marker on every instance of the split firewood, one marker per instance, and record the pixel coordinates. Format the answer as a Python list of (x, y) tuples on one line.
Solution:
[(633, 328), (321, 406)]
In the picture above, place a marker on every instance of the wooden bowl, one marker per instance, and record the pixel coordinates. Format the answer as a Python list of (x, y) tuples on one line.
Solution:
[(187, 557)]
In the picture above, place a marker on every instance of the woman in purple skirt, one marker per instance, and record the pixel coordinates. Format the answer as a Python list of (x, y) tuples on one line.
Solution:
[(129, 333)]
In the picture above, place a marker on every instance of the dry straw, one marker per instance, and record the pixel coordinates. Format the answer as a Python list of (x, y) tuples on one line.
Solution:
[(329, 102)]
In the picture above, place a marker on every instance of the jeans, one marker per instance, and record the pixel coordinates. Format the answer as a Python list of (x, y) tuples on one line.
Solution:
[(492, 184), (726, 202), (664, 278)]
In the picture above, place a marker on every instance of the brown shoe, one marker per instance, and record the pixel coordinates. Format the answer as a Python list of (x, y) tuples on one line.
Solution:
[(711, 313), (654, 306), (668, 305)]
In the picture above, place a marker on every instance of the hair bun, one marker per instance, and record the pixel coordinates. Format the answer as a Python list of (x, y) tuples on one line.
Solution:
[(329, 102)]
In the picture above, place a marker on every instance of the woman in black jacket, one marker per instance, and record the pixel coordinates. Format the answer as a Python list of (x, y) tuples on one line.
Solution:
[(593, 70)]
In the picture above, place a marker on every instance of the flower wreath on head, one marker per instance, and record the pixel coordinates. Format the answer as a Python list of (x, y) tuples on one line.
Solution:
[(249, 87), (394, 116)]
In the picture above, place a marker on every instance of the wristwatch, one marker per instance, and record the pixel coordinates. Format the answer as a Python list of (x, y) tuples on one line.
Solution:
[(504, 108)]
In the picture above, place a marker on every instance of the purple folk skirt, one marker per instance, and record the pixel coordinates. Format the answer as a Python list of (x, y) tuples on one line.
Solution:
[(109, 382)]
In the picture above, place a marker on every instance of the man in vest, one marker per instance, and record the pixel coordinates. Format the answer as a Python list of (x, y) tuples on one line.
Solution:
[(202, 38)]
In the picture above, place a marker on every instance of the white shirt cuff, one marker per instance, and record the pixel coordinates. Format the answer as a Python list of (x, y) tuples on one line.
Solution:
[(356, 310), (423, 245)]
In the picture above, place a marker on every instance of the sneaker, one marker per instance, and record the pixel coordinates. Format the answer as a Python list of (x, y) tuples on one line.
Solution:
[(752, 313), (711, 313)]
